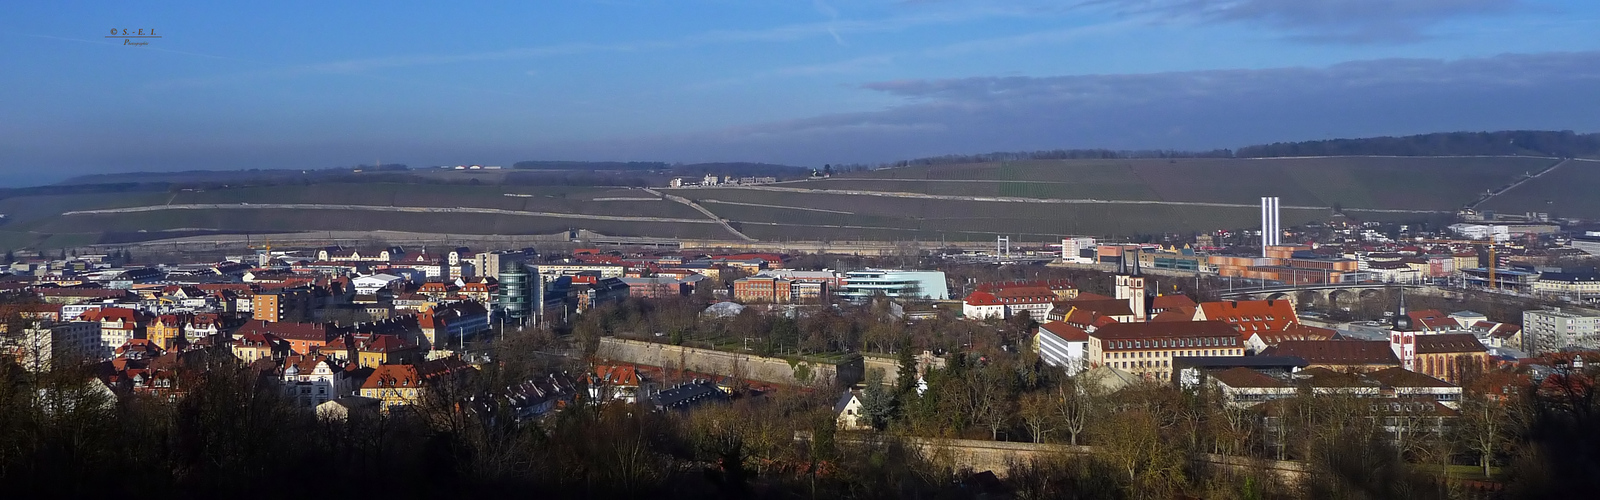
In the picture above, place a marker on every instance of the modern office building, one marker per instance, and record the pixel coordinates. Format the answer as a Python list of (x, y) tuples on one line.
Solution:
[(862, 285), (513, 300)]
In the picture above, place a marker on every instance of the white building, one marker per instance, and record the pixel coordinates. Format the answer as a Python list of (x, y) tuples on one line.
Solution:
[(38, 345), (314, 380), (862, 285), (1072, 247), (1497, 233), (1545, 331), (1271, 232), (368, 285), (847, 413), (1063, 345)]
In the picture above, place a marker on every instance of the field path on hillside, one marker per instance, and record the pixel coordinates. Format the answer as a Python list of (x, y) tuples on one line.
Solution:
[(703, 210), (1519, 183), (379, 208), (1014, 199)]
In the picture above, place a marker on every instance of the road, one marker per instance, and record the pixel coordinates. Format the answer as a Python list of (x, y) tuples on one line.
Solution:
[(376, 208), (1519, 183), (703, 210), (1016, 199)]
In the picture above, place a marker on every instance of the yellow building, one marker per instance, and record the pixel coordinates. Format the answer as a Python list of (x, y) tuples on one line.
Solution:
[(1147, 349), (393, 385)]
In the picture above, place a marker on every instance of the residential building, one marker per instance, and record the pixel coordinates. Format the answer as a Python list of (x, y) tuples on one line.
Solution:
[(394, 385), (372, 351), (762, 289), (251, 347), (452, 323), (286, 304), (37, 346), (1005, 302), (302, 338), (167, 331), (617, 383), (847, 413), (118, 325), (314, 379)]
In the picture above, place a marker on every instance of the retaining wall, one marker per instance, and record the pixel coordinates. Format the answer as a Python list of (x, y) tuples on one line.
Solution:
[(745, 366)]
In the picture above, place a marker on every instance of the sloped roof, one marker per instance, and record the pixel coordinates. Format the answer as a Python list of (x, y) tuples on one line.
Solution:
[(1121, 331), (1245, 377), (1064, 331), (1445, 343), (385, 376), (1296, 332), (1170, 302), (1174, 315), (1251, 316), (1104, 307), (1400, 377), (1336, 352)]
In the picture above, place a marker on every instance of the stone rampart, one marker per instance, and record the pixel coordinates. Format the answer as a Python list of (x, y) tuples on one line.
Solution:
[(745, 366)]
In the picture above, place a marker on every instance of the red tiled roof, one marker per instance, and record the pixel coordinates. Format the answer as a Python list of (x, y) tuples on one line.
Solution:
[(1170, 302), (385, 376), (1064, 331), (1295, 332), (1251, 316)]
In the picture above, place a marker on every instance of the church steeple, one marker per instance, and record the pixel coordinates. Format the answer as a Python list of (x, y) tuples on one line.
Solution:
[(1402, 320)]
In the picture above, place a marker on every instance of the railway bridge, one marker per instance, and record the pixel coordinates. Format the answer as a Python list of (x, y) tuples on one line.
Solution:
[(1342, 295)]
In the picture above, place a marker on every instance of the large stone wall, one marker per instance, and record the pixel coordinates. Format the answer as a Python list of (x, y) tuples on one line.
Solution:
[(999, 456), (745, 366)]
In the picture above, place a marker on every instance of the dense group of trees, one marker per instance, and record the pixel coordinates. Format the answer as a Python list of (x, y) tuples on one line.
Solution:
[(1564, 144), (1058, 154)]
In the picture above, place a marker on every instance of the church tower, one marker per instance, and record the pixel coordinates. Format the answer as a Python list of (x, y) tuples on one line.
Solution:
[(1130, 287), (1402, 337)]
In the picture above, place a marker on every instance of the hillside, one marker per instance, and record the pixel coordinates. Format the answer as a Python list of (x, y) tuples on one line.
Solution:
[(1083, 192)]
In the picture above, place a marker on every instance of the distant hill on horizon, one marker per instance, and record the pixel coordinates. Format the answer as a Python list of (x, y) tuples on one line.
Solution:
[(1562, 144)]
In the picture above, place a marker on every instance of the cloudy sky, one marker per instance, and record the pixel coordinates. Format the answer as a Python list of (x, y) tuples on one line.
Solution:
[(327, 84)]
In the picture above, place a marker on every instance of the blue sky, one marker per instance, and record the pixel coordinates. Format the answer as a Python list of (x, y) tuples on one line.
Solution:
[(327, 84)]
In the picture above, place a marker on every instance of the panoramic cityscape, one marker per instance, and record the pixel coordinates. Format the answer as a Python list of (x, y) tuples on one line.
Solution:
[(877, 249)]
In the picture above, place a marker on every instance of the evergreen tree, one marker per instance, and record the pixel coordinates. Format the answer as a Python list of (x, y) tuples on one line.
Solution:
[(907, 380), (877, 402)]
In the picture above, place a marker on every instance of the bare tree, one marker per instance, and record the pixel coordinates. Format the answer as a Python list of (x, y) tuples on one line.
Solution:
[(1485, 427), (1039, 414), (1078, 401)]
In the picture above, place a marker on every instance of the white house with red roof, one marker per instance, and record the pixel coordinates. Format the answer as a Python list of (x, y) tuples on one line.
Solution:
[(118, 325), (1005, 302)]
